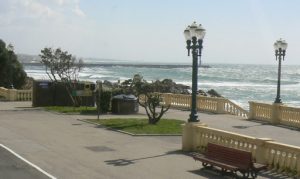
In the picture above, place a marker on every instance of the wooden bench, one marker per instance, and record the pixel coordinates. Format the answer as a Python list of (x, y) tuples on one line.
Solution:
[(229, 159)]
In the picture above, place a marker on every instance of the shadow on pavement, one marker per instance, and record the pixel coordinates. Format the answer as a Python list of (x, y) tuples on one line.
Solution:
[(124, 162), (211, 173), (216, 174), (248, 126), (273, 175), (278, 125)]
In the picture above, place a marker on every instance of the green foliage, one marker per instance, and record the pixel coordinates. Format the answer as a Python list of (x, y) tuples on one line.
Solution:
[(151, 104), (11, 70), (117, 91), (60, 65), (104, 101), (141, 126), (139, 86)]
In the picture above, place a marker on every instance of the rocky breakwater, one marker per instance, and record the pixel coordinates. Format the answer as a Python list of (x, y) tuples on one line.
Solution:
[(163, 86)]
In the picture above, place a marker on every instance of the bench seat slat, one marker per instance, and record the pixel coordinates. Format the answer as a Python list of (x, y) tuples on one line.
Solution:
[(217, 163), (258, 166)]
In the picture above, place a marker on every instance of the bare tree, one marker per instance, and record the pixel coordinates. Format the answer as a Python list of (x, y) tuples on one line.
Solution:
[(151, 103), (60, 65)]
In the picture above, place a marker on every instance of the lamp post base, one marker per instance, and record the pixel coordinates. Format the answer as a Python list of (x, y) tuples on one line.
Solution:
[(193, 118), (277, 100)]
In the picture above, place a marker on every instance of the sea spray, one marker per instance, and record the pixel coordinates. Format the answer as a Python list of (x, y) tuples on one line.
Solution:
[(239, 83)]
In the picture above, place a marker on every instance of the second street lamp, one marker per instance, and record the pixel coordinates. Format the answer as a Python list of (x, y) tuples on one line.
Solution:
[(194, 35), (280, 48)]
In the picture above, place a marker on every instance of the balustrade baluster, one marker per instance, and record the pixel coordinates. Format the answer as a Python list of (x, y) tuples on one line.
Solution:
[(288, 160), (282, 160)]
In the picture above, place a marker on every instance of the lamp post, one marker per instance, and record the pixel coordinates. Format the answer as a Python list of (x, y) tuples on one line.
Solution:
[(280, 48), (194, 35)]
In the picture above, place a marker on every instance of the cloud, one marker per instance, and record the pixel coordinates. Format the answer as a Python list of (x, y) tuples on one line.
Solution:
[(78, 11), (60, 2), (38, 9), (74, 4)]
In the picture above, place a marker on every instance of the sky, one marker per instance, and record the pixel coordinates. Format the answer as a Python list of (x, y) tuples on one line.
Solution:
[(237, 31)]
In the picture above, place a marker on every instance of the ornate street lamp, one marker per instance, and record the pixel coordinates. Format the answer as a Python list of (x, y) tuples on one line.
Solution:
[(194, 35), (280, 48)]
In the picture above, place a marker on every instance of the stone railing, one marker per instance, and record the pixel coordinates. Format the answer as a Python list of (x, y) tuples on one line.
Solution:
[(24, 95), (260, 111), (16, 95), (289, 116), (3, 92), (234, 109), (204, 103), (275, 114), (279, 157)]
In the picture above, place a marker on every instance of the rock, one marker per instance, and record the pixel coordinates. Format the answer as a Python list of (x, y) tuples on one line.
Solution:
[(201, 92), (164, 86), (214, 93), (108, 84), (180, 89)]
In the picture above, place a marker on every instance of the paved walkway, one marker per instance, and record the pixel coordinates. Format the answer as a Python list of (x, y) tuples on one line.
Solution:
[(67, 148)]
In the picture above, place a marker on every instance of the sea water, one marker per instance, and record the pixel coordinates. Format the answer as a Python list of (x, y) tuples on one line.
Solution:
[(239, 83)]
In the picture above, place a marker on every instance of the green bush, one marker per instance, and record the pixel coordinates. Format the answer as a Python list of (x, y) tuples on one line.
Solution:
[(11, 70), (104, 102), (117, 91)]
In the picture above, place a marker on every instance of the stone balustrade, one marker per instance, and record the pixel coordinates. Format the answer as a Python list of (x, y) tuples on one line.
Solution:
[(289, 116), (260, 111), (270, 113), (3, 92), (234, 109), (280, 157), (24, 95), (204, 103), (275, 114), (16, 95)]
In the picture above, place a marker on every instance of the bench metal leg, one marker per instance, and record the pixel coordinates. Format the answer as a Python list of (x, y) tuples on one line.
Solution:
[(245, 174), (223, 171), (253, 173), (206, 165), (235, 174)]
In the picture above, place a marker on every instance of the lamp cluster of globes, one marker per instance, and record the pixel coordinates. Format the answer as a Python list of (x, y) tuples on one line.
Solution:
[(194, 30)]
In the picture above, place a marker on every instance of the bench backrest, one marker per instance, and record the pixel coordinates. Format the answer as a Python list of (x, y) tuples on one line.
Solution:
[(236, 157)]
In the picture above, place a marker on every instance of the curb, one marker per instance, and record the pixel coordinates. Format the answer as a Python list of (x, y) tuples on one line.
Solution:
[(128, 133)]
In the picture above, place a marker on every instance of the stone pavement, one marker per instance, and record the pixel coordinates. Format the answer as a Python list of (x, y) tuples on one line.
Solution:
[(68, 148), (12, 167)]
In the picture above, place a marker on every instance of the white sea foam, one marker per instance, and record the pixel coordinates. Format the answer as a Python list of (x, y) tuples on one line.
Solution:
[(239, 83), (232, 84)]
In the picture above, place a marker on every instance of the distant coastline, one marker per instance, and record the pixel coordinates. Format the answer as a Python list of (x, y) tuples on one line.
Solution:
[(140, 65), (35, 60)]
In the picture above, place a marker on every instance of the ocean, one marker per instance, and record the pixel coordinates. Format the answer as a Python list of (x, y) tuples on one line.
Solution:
[(239, 83)]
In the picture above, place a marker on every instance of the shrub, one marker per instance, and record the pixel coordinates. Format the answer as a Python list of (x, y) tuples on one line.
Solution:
[(12, 73), (104, 101)]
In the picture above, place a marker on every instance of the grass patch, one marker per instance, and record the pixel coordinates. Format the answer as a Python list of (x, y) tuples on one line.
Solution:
[(72, 110), (141, 126)]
